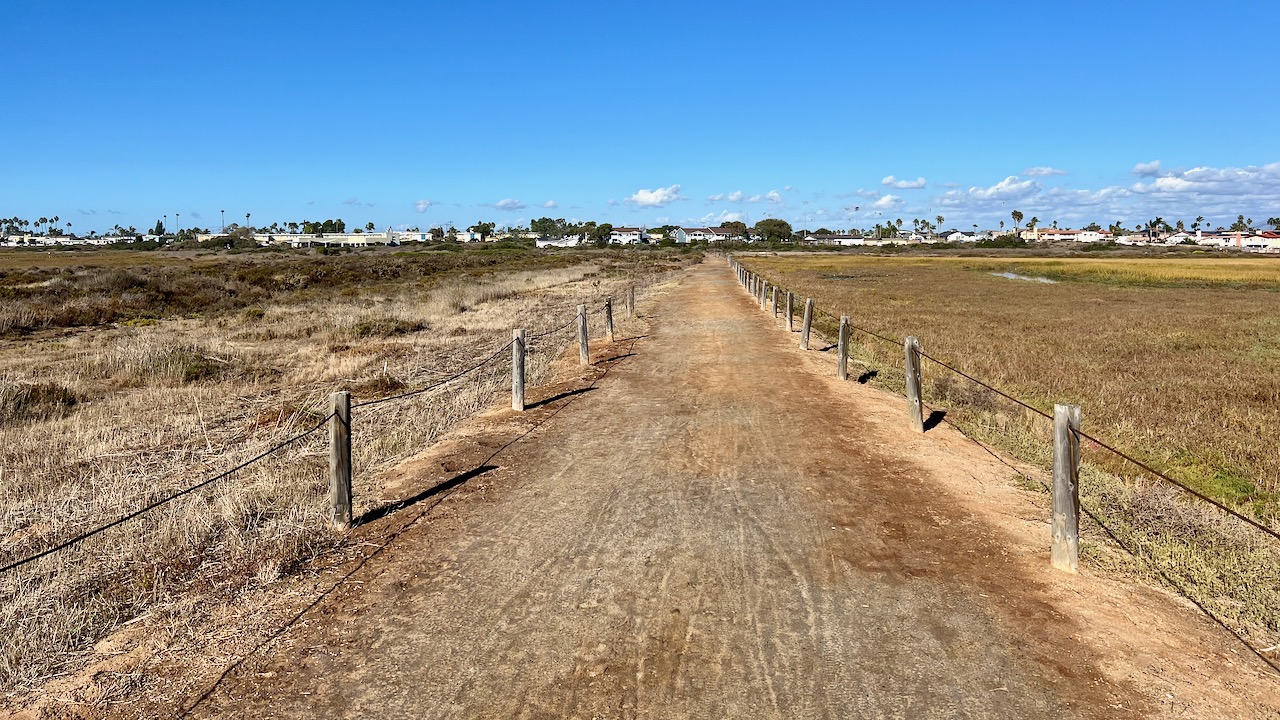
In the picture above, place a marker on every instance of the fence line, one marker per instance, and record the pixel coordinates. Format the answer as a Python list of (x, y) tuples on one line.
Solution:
[(340, 490), (433, 386), (748, 278), (162, 501)]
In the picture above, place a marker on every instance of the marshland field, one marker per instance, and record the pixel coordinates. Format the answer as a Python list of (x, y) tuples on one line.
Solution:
[(125, 377), (1173, 360)]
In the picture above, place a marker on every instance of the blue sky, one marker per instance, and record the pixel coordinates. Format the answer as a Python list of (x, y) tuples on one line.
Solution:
[(422, 113)]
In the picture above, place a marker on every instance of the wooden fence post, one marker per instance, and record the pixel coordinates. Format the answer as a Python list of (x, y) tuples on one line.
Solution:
[(775, 301), (631, 301), (340, 459), (912, 348), (764, 293), (808, 323), (584, 354), (791, 313), (842, 369), (1065, 553), (608, 318), (517, 370)]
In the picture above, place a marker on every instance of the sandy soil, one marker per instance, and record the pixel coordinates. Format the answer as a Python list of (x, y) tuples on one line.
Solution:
[(712, 525)]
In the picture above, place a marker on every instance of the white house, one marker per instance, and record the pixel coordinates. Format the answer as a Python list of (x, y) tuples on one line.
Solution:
[(1057, 235), (834, 239), (628, 235), (567, 241)]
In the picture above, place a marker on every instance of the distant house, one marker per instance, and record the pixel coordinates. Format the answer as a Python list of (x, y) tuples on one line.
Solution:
[(841, 239), (700, 235), (1056, 235), (404, 236), (628, 235), (567, 241)]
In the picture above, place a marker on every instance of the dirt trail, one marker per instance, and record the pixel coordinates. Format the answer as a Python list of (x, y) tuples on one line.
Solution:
[(717, 530)]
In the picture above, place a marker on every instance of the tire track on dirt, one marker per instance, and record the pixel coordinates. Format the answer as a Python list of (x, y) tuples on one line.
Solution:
[(705, 535)]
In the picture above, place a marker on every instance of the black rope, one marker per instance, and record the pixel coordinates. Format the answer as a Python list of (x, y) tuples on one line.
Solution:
[(536, 336), (1259, 526), (433, 386), (158, 503), (1156, 473), (997, 391)]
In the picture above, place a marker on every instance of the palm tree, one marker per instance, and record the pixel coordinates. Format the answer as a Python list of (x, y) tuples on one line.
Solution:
[(1153, 227), (1017, 219), (940, 220), (246, 219)]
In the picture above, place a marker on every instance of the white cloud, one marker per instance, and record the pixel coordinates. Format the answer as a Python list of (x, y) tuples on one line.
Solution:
[(509, 204), (551, 204), (656, 198), (1148, 169), (723, 217), (1042, 171), (1010, 188), (891, 181), (1219, 194), (772, 196), (422, 206), (888, 202), (355, 202), (738, 196), (786, 188)]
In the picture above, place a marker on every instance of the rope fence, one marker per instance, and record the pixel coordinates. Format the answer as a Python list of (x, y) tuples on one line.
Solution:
[(757, 285), (339, 423), (1065, 489), (152, 506)]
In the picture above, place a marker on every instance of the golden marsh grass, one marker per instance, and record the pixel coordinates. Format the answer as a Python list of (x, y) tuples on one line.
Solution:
[(1174, 361)]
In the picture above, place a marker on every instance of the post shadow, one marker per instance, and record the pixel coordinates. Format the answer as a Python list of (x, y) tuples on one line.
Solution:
[(559, 396), (453, 482)]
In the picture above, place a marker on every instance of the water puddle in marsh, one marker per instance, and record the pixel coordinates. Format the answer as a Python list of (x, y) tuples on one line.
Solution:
[(1015, 276)]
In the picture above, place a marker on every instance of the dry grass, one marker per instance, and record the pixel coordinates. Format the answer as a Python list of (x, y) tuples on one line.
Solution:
[(101, 421), (1172, 360)]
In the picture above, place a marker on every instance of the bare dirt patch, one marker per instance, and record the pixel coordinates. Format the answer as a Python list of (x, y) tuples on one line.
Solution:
[(719, 528)]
